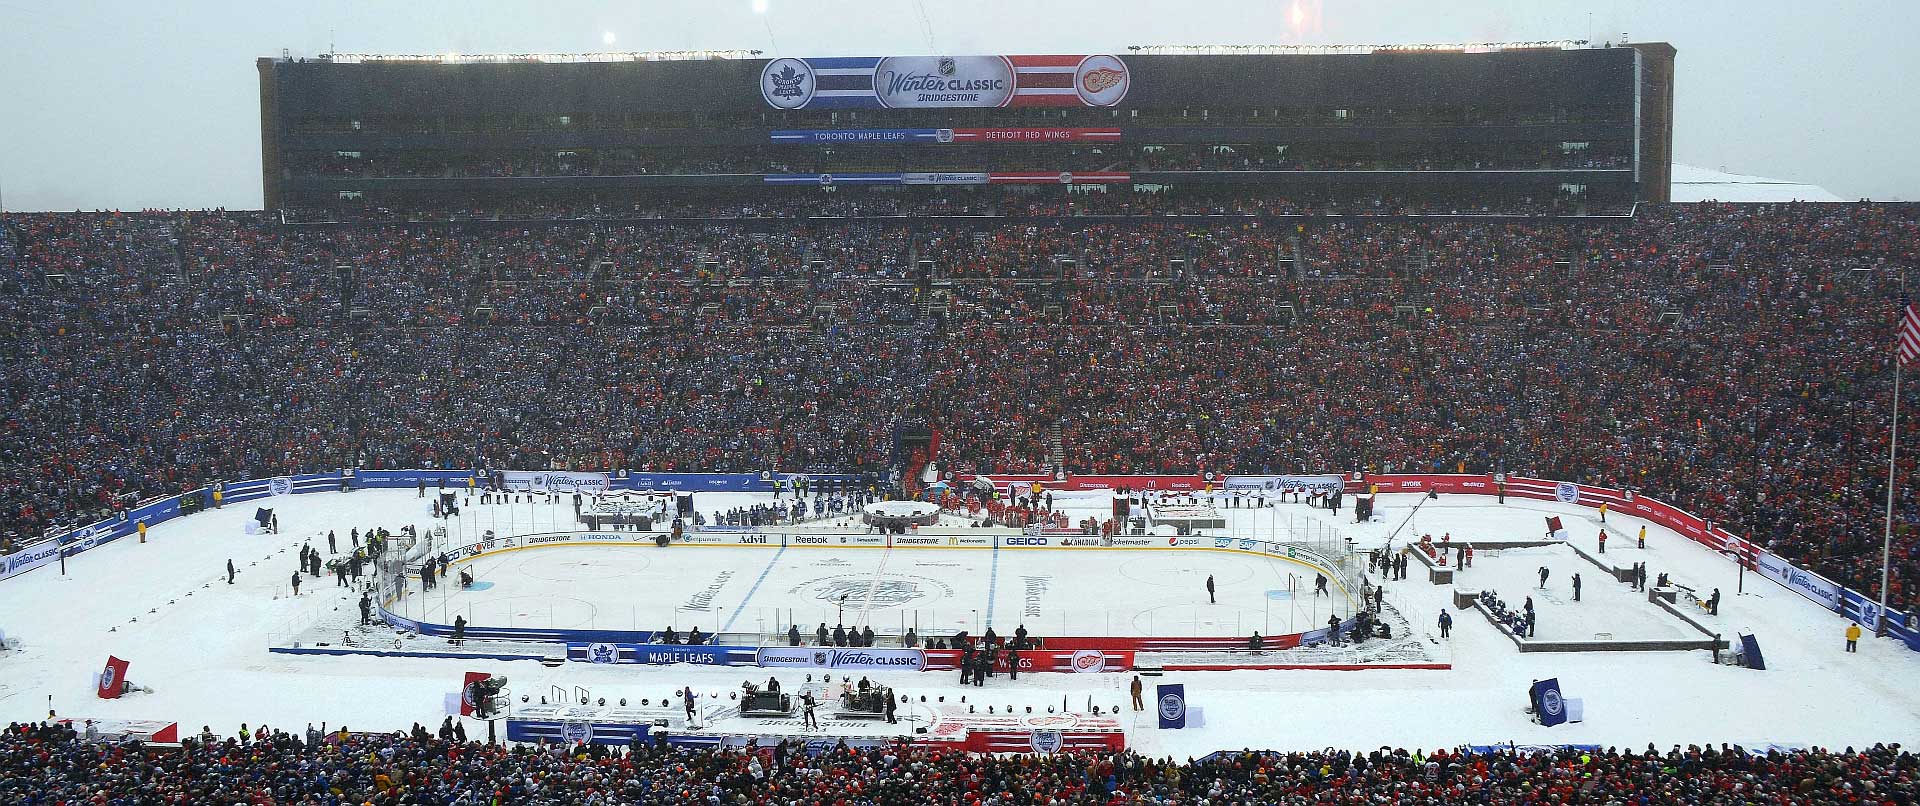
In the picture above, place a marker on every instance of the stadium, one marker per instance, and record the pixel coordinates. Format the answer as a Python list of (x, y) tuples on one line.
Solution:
[(1161, 425)]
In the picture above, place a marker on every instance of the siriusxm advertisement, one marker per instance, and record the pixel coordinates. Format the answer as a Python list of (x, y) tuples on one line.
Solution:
[(933, 82)]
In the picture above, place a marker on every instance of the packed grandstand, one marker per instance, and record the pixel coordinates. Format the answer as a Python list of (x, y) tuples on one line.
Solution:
[(1728, 358), (41, 764), (1398, 261)]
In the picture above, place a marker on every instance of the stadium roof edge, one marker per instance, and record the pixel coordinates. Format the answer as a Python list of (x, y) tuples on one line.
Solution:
[(533, 58)]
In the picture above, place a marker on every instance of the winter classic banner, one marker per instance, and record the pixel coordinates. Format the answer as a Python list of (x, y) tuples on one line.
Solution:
[(554, 481), (927, 82)]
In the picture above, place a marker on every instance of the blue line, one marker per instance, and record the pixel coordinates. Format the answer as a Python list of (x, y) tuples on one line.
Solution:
[(993, 584), (750, 591)]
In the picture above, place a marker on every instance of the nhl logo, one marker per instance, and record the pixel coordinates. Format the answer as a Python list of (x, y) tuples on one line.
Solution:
[(946, 66), (601, 653), (820, 659)]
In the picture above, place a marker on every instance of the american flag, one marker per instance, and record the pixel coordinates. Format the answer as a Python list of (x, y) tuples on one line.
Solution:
[(1909, 340)]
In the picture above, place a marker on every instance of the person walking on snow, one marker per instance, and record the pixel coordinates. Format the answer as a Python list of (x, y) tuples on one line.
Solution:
[(1603, 541), (296, 583), (229, 572), (1446, 623), (1137, 688), (1853, 637), (1576, 586), (1543, 578), (1210, 599), (1643, 536)]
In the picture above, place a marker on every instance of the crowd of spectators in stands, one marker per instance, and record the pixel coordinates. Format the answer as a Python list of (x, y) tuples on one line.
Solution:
[(781, 159), (1733, 360), (813, 201), (50, 764)]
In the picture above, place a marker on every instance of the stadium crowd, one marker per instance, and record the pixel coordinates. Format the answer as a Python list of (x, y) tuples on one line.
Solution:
[(1733, 360), (51, 764)]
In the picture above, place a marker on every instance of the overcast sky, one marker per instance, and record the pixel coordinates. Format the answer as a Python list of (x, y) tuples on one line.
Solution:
[(132, 105)]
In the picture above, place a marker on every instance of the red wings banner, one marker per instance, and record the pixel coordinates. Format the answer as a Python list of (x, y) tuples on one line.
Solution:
[(112, 677), (467, 707)]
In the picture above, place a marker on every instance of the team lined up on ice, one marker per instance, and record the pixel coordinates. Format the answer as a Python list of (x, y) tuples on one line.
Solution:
[(1035, 505), (614, 509)]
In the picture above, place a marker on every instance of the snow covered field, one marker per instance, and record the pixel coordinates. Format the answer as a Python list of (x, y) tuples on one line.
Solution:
[(1607, 610), (201, 644)]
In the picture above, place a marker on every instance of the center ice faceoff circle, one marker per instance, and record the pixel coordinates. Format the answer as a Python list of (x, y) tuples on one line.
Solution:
[(890, 591)]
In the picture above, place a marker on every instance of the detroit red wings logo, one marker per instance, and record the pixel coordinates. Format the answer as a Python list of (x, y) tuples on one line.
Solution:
[(1102, 79)]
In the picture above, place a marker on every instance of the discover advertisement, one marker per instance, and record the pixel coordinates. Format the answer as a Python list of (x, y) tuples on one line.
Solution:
[(801, 657)]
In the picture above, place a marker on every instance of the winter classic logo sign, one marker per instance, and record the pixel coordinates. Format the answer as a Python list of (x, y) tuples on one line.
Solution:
[(787, 83), (923, 82), (107, 681), (1550, 702), (1172, 707), (279, 485), (1046, 741), (1567, 492)]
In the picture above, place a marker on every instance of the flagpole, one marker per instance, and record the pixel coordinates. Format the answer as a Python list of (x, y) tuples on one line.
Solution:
[(1886, 538), (1893, 453)]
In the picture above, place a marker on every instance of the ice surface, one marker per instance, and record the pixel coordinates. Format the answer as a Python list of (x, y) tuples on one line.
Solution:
[(201, 644)]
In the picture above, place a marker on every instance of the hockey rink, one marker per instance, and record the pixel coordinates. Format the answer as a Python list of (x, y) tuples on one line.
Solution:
[(935, 591), (202, 644)]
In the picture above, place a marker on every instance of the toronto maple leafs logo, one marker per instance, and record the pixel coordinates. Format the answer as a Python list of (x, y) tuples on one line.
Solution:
[(601, 653), (787, 83)]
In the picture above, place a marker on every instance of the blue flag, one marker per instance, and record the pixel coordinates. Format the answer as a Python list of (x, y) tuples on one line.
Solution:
[(1171, 702), (1547, 703)]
